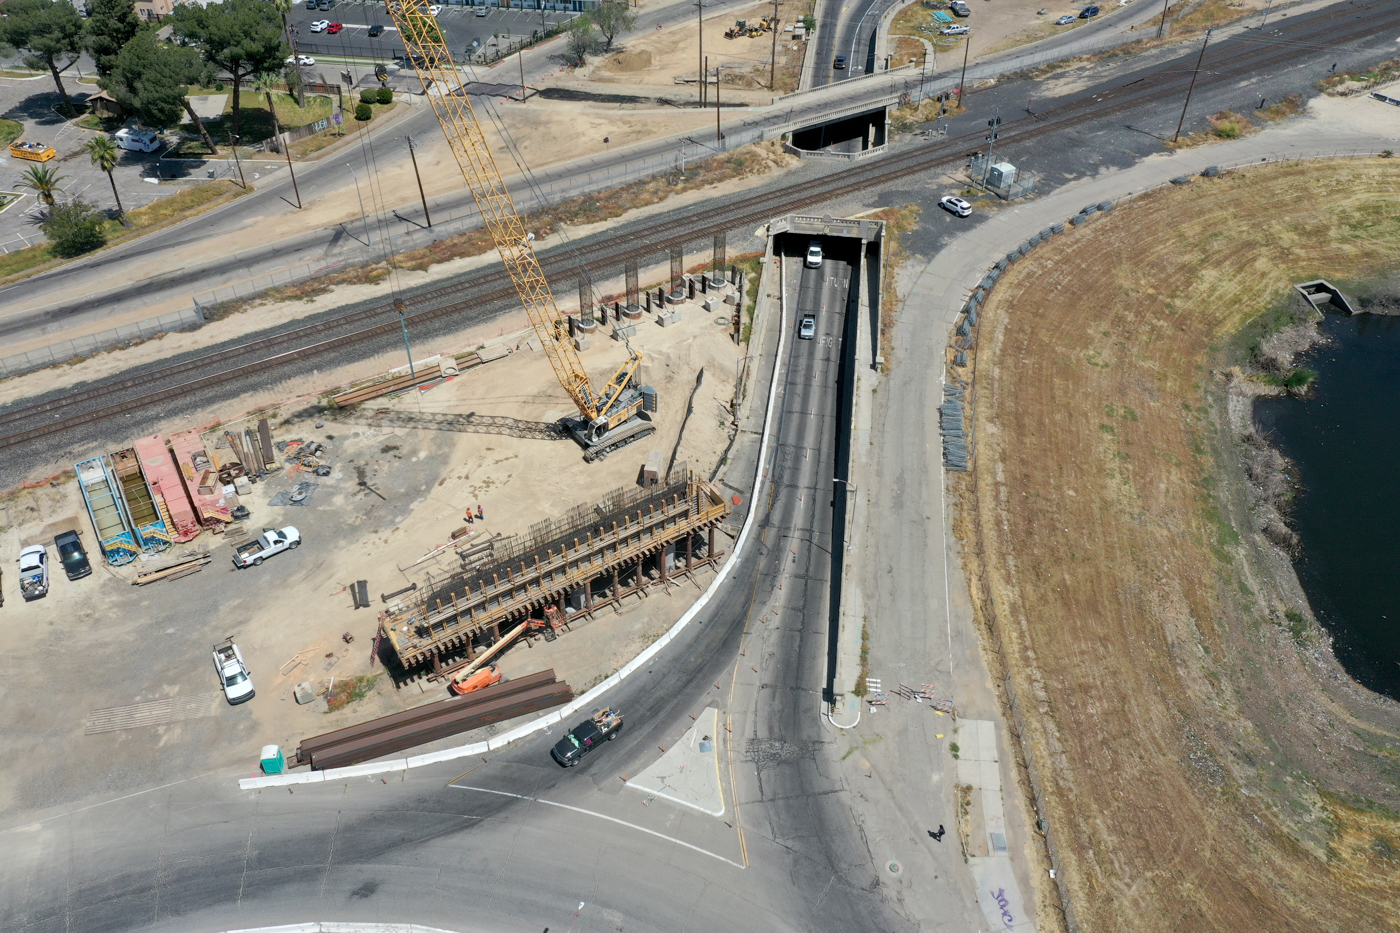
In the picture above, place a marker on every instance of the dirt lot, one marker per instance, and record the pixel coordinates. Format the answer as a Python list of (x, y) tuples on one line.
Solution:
[(1203, 767), (102, 644)]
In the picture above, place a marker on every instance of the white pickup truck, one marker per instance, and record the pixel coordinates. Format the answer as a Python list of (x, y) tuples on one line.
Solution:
[(265, 545), (234, 676)]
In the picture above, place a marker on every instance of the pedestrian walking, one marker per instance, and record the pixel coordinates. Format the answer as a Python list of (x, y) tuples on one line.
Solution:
[(937, 836), (480, 513)]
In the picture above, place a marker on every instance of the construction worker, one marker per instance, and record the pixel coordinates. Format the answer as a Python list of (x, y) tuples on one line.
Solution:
[(479, 513)]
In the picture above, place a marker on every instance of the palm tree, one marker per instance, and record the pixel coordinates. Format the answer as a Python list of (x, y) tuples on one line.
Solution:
[(265, 83), (105, 155), (44, 181)]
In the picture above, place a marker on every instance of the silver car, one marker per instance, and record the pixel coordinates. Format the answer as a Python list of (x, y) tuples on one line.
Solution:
[(808, 328), (814, 255)]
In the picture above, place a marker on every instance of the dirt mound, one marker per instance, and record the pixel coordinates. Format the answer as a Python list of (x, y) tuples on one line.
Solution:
[(629, 61)]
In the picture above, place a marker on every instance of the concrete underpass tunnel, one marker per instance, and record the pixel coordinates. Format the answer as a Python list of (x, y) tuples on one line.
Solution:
[(858, 133)]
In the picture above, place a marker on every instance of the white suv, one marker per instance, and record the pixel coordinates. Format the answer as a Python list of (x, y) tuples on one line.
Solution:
[(814, 255)]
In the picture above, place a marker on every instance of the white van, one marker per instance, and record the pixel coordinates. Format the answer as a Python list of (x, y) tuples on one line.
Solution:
[(137, 140)]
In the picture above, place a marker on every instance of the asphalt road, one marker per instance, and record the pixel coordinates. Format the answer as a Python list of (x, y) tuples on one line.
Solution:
[(515, 842)]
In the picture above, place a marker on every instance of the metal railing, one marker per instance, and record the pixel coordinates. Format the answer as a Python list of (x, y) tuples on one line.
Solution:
[(66, 350)]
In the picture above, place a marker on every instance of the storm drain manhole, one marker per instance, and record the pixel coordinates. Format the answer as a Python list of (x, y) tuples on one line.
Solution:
[(894, 868)]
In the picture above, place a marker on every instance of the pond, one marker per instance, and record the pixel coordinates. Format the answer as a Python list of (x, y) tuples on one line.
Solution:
[(1345, 444)]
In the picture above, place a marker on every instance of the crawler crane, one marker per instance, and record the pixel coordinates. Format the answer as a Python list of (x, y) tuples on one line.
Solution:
[(607, 419)]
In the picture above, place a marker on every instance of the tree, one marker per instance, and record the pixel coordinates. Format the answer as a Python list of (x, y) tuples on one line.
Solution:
[(265, 82), (111, 24), (580, 41), (74, 228), (613, 17), (43, 181), (48, 31), (240, 37), (364, 112), (105, 155), (151, 80)]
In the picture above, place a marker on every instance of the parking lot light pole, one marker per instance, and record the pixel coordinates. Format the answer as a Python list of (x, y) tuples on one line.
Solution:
[(363, 216)]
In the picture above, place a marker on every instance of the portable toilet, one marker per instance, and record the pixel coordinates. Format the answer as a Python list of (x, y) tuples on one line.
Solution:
[(272, 760)]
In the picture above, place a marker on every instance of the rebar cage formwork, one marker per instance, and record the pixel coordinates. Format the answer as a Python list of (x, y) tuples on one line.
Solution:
[(648, 535)]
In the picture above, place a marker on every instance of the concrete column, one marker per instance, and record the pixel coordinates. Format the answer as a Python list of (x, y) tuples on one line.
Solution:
[(711, 552), (661, 557), (615, 584), (689, 551)]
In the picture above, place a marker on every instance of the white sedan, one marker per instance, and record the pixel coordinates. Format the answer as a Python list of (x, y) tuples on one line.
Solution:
[(955, 206), (434, 10), (321, 25), (303, 60)]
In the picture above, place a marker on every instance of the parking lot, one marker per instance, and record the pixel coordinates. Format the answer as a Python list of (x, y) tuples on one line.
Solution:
[(460, 25)]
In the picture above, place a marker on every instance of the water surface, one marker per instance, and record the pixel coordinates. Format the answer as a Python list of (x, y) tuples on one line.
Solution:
[(1345, 442)]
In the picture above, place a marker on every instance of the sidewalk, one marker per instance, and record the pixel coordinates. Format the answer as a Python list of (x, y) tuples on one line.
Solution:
[(688, 774)]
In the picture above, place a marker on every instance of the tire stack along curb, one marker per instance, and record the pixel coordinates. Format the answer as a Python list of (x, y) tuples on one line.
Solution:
[(951, 414)]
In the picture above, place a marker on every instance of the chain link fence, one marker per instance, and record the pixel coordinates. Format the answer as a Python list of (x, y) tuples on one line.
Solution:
[(92, 343)]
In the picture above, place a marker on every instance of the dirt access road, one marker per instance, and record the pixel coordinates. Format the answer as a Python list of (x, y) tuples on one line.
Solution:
[(1203, 768)]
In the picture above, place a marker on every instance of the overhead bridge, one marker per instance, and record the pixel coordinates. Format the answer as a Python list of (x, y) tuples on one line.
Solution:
[(584, 561)]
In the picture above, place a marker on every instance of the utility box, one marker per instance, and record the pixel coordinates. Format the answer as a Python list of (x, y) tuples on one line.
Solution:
[(272, 760), (1001, 175), (651, 470)]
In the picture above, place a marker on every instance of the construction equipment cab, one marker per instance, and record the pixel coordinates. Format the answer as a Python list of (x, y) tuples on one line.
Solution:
[(601, 727)]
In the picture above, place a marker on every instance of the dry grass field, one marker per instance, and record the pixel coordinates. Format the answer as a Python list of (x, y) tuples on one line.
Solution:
[(1205, 765)]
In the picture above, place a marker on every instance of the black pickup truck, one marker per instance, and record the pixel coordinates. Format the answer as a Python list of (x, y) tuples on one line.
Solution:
[(586, 736)]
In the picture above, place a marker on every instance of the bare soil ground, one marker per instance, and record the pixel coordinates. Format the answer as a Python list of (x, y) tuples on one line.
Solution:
[(424, 465), (1204, 762)]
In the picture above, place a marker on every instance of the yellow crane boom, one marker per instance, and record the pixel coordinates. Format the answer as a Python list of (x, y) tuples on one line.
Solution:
[(426, 50)]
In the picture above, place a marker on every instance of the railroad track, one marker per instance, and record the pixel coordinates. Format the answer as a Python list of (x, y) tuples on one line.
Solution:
[(1231, 60)]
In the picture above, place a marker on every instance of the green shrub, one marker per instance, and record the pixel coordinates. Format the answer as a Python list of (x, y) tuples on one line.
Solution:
[(368, 95), (74, 228), (363, 112), (385, 95), (1300, 378)]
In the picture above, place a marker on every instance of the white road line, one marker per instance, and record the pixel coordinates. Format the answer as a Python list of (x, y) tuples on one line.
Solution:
[(601, 816), (33, 823)]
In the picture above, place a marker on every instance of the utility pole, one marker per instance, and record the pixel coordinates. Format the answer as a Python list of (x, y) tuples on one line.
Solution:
[(1192, 86), (233, 141), (520, 57), (1267, 6), (719, 139), (296, 69), (1162, 26), (992, 138), (287, 151), (962, 82), (704, 62), (421, 195), (364, 217), (773, 63), (399, 306)]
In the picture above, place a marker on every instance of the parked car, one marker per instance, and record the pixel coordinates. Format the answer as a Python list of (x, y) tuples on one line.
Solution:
[(840, 63), (434, 10), (234, 676), (586, 736), (321, 25), (814, 254), (376, 31), (334, 28), (1089, 12), (956, 29), (481, 11), (325, 4), (955, 206), (72, 556), (136, 140), (265, 545), (301, 60), (808, 328), (1065, 20), (34, 572), (311, 4)]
